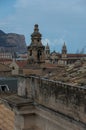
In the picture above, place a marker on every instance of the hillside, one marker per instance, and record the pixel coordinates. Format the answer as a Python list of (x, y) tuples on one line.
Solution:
[(12, 41)]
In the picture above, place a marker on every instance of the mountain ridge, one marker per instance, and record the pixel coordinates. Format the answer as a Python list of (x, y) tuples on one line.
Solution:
[(13, 41)]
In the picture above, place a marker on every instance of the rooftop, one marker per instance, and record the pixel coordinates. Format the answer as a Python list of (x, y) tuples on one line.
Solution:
[(14, 99), (74, 74)]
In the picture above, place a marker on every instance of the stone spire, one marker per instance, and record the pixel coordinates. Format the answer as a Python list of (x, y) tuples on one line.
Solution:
[(47, 51), (64, 54), (64, 49), (47, 47)]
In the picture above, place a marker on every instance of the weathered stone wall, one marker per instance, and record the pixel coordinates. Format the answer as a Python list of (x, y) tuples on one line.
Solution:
[(25, 87), (60, 97), (36, 122), (68, 103)]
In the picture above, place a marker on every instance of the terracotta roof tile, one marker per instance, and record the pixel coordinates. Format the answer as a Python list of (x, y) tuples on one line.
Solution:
[(21, 64), (49, 65), (76, 55), (4, 68)]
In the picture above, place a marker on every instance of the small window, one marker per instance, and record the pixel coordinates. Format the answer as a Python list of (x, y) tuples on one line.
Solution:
[(39, 54), (30, 52), (4, 88), (13, 68)]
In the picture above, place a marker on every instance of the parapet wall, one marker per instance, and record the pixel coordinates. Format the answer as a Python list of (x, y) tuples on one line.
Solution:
[(65, 99)]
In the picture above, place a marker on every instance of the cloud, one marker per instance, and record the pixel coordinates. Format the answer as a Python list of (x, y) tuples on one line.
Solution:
[(3, 23), (59, 41), (46, 6), (21, 3), (41, 12), (59, 21), (45, 41), (55, 44)]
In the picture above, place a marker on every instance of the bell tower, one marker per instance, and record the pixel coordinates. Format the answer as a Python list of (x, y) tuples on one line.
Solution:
[(36, 51), (64, 54), (47, 51), (64, 51)]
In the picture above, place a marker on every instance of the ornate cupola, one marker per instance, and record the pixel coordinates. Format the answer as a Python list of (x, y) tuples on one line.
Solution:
[(36, 37), (36, 49)]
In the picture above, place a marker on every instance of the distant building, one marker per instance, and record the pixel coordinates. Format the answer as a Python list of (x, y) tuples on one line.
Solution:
[(5, 55), (38, 53), (22, 56), (4, 70), (17, 66), (65, 58)]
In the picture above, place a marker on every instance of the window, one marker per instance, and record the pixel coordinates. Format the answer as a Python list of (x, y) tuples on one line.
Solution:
[(39, 54), (13, 68), (4, 88), (30, 52)]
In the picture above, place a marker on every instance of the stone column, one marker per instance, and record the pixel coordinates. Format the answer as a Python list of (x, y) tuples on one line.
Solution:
[(25, 87)]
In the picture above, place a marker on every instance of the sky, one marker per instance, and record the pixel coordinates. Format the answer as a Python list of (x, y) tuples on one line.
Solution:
[(59, 21)]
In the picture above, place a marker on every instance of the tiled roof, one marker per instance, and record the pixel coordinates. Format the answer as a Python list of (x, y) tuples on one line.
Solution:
[(4, 68), (76, 55), (5, 61), (21, 64), (49, 65), (1, 60)]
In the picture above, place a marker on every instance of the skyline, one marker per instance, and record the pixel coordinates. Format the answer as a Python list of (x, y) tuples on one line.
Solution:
[(59, 21)]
